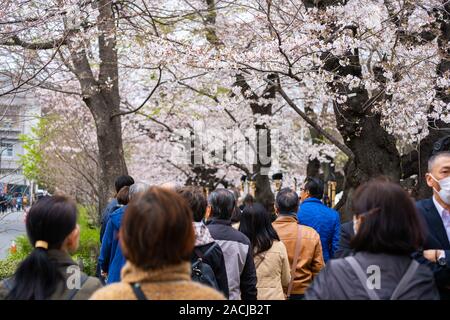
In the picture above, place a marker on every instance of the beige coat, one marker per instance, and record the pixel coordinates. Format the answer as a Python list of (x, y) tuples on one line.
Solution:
[(273, 272), (170, 283), (310, 261)]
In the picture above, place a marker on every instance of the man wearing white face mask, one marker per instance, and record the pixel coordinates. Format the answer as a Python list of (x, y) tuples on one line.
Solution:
[(436, 213)]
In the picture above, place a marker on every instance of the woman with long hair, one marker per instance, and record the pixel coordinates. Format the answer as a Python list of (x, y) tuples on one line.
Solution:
[(49, 272), (270, 255)]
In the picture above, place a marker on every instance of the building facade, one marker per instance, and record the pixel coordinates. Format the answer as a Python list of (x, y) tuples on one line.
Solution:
[(18, 114)]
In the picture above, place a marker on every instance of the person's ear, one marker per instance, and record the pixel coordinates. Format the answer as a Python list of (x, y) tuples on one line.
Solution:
[(208, 213), (356, 222), (277, 211), (431, 182), (73, 239)]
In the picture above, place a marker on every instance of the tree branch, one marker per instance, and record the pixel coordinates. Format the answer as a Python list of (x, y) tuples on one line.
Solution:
[(308, 120), (16, 41), (145, 101)]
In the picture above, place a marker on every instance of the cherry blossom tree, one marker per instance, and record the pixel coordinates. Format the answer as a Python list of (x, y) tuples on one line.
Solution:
[(358, 86)]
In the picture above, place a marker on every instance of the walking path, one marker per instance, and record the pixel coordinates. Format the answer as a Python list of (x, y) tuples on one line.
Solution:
[(11, 226)]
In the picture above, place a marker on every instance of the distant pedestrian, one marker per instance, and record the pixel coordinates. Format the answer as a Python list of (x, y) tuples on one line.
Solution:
[(302, 244), (205, 247), (236, 247), (313, 213), (111, 259)]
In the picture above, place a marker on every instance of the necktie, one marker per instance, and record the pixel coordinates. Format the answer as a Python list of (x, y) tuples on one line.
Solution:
[(446, 221)]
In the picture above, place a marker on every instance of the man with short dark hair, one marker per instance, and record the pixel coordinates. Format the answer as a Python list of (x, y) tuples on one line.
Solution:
[(121, 181), (313, 213), (236, 247), (112, 206), (302, 244), (436, 213), (111, 259)]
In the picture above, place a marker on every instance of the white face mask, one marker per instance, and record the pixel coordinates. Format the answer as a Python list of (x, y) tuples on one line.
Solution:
[(445, 189)]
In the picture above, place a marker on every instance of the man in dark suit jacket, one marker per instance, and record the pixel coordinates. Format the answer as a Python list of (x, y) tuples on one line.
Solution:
[(436, 215)]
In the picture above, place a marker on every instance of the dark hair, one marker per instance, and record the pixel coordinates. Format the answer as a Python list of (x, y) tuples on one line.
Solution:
[(196, 200), (287, 200), (50, 219), (256, 224), (390, 222), (248, 199), (157, 229), (123, 195), (222, 203), (435, 156), (123, 181), (314, 186)]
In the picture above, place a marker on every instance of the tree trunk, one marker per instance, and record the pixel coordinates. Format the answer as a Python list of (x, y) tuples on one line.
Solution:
[(110, 147), (375, 152)]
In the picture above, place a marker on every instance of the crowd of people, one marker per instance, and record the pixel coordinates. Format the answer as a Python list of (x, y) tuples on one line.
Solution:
[(10, 202), (171, 243)]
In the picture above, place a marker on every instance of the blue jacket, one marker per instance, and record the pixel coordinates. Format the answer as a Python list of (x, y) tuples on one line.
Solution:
[(112, 206), (111, 258), (313, 213)]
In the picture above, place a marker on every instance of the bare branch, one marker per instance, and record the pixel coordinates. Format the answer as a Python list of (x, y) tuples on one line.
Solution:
[(145, 101)]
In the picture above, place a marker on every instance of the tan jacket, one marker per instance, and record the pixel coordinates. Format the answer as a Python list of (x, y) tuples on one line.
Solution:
[(67, 268), (273, 272), (169, 283), (310, 260)]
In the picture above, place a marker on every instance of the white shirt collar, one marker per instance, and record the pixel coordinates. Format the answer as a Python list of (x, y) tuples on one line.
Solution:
[(439, 208)]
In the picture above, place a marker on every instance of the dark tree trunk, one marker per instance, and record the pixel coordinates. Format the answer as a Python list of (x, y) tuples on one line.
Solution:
[(103, 100), (263, 147), (110, 147), (374, 150), (416, 162)]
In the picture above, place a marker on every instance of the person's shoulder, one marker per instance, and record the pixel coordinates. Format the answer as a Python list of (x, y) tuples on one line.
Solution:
[(336, 266), (239, 236), (424, 271), (4, 290), (88, 288), (421, 204), (114, 291), (116, 215), (308, 232), (228, 233), (277, 247), (92, 283), (199, 291)]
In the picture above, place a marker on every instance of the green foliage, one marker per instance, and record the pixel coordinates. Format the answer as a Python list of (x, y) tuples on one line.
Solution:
[(88, 251), (86, 255), (32, 161), (9, 265)]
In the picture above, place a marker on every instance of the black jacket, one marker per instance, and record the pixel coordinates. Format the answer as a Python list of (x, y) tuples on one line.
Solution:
[(217, 263), (436, 238), (237, 252)]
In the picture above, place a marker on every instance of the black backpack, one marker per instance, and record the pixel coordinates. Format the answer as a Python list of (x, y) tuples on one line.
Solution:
[(202, 272)]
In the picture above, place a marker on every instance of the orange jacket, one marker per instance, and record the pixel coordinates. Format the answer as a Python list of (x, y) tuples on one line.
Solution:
[(310, 260)]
